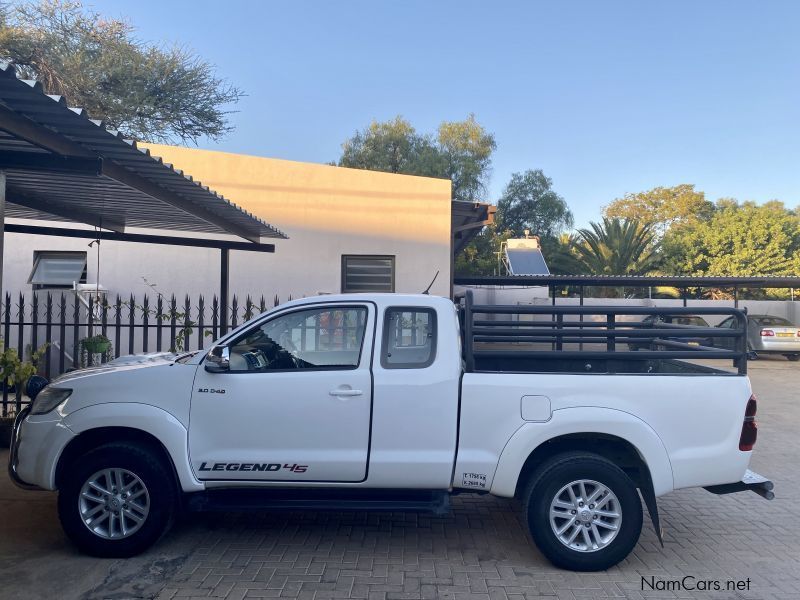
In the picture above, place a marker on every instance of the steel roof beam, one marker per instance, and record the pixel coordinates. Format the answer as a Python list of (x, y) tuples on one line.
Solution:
[(39, 136), (141, 238), (155, 191), (71, 213), (53, 163)]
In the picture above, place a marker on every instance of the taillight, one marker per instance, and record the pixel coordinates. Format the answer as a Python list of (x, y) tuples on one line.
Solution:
[(767, 333), (749, 429)]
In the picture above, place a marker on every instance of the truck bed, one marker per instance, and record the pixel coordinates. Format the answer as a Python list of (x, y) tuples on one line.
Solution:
[(599, 339)]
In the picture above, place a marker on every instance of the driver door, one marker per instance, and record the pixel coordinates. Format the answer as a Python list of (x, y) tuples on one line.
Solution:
[(295, 403)]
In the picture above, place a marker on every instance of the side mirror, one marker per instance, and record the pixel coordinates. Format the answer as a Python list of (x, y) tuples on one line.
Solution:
[(218, 360)]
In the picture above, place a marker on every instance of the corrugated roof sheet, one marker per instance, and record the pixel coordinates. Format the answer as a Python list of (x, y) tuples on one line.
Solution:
[(678, 281), (31, 192)]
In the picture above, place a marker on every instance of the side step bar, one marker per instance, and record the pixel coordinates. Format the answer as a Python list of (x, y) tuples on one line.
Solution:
[(272, 499), (751, 481)]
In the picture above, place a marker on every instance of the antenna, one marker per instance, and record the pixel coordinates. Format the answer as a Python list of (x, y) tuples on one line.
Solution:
[(428, 289)]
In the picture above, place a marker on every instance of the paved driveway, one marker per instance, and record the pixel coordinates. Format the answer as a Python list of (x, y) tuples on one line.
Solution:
[(479, 551)]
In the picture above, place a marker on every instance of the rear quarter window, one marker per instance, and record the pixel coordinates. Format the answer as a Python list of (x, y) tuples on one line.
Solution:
[(409, 338)]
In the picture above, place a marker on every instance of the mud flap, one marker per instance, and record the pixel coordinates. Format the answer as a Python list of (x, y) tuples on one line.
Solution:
[(649, 497)]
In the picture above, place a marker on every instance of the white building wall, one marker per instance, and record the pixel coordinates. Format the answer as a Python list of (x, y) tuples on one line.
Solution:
[(326, 211)]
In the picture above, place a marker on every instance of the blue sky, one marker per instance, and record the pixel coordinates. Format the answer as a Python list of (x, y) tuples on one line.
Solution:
[(605, 97)]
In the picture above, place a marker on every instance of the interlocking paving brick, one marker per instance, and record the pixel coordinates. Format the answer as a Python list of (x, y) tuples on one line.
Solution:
[(481, 552)]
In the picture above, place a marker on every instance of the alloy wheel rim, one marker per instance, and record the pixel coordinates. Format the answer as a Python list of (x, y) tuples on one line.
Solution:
[(585, 515), (114, 503)]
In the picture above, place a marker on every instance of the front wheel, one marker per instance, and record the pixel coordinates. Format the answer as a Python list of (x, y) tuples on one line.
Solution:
[(117, 500), (583, 512), (793, 357)]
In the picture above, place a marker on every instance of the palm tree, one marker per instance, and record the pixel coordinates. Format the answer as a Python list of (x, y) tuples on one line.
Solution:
[(561, 256), (617, 247)]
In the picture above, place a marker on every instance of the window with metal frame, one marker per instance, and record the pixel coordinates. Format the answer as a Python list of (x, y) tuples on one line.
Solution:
[(57, 270), (409, 338), (367, 273)]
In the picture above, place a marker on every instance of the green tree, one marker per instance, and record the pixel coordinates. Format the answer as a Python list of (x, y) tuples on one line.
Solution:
[(481, 255), (529, 202), (465, 151), (617, 247), (148, 92), (392, 146), (737, 240), (561, 257), (662, 207), (461, 151)]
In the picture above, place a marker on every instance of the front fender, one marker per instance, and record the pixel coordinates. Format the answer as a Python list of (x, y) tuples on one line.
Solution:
[(584, 420), (144, 417)]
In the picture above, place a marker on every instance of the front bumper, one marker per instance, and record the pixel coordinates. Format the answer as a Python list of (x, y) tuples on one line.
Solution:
[(750, 481), (13, 456), (36, 445)]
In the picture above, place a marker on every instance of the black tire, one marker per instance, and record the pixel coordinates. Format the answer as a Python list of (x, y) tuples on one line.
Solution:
[(149, 467), (543, 488), (793, 357)]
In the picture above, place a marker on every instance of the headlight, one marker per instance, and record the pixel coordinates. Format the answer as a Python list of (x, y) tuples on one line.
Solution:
[(48, 399)]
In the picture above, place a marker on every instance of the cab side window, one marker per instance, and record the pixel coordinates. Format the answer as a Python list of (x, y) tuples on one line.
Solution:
[(319, 338), (409, 338), (727, 323)]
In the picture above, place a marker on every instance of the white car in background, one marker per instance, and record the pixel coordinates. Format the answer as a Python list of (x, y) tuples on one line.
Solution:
[(768, 335)]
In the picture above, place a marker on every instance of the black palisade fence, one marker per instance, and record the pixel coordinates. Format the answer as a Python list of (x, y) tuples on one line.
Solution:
[(60, 331)]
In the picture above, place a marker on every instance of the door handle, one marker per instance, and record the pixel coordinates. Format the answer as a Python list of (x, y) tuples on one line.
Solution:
[(343, 393)]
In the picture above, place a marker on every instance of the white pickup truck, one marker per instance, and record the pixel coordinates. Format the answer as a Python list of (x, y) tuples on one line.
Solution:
[(389, 401)]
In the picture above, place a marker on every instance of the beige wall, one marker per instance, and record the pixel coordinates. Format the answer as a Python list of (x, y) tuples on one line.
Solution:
[(326, 212)]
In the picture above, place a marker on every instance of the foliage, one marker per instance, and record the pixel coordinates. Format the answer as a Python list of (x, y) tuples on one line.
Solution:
[(737, 240), (466, 148), (183, 319), (460, 151), (392, 146), (481, 255), (16, 370), (529, 202), (617, 247), (149, 92), (97, 344), (662, 207), (561, 257)]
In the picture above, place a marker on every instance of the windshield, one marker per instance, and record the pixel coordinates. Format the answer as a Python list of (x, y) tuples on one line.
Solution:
[(772, 322)]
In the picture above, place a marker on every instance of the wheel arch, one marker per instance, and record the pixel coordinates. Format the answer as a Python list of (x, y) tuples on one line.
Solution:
[(614, 448), (122, 421), (616, 435), (94, 438)]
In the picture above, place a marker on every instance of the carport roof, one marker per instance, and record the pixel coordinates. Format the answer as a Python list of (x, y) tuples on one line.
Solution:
[(61, 165), (467, 220)]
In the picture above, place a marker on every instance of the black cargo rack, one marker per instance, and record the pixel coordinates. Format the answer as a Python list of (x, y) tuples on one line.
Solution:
[(564, 332)]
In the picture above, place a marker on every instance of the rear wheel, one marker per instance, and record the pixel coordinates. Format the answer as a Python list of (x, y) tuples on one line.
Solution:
[(793, 357), (583, 512), (117, 500)]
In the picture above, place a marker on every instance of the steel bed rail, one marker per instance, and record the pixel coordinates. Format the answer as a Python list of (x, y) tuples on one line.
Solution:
[(664, 340)]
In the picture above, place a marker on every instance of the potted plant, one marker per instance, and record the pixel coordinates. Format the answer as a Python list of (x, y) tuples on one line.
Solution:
[(96, 344), (6, 368), (15, 372)]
